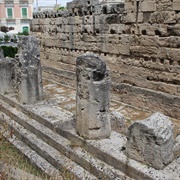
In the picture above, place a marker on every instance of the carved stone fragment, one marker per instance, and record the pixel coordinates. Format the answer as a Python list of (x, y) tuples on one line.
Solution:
[(151, 141), (93, 97)]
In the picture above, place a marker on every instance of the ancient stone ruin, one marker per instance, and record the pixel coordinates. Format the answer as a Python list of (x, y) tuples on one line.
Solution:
[(7, 75), (93, 97), (23, 73), (71, 125), (30, 76), (151, 141), (139, 41)]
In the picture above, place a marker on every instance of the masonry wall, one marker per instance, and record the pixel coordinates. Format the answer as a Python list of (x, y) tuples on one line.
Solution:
[(139, 40)]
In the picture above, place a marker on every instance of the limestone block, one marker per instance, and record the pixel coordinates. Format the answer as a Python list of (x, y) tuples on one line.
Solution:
[(151, 141), (78, 19), (132, 17), (144, 51), (169, 53), (97, 9), (30, 86), (148, 6), (174, 30), (88, 20), (149, 41), (147, 28), (119, 49), (163, 17), (7, 76), (129, 7), (178, 17), (92, 98), (176, 6)]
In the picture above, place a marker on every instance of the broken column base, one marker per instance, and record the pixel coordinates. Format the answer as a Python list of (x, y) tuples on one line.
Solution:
[(30, 88), (92, 97), (7, 75), (29, 73), (151, 141)]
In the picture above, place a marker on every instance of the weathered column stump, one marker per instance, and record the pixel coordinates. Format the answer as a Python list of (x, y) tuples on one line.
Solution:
[(92, 97), (151, 141), (30, 86), (7, 75)]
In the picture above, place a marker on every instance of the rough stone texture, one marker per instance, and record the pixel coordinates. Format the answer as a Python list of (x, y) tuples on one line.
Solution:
[(30, 86), (118, 119), (11, 172), (93, 97), (1, 53), (7, 75), (139, 41), (151, 141), (177, 146)]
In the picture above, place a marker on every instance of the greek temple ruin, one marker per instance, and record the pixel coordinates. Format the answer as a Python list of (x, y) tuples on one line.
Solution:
[(95, 91)]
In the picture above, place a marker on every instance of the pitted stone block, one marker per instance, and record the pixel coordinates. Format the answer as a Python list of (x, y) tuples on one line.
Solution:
[(7, 75), (151, 141), (93, 97), (30, 86)]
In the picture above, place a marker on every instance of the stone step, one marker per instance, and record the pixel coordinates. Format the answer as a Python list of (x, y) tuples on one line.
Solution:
[(80, 156), (54, 157), (12, 172), (35, 159), (108, 150)]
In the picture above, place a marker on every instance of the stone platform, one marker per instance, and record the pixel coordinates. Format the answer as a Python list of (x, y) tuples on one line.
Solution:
[(47, 128)]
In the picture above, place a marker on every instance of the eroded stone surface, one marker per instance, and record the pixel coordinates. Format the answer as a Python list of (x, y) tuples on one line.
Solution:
[(139, 40), (93, 97), (30, 77), (7, 75), (177, 146), (151, 141)]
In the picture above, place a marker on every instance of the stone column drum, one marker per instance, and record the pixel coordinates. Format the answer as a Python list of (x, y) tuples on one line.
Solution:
[(30, 86), (92, 97)]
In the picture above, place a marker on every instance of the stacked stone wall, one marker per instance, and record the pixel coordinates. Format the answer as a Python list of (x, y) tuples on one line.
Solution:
[(138, 39)]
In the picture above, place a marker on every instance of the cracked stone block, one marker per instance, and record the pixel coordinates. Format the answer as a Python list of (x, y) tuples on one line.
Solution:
[(92, 97), (151, 141), (30, 75), (7, 75)]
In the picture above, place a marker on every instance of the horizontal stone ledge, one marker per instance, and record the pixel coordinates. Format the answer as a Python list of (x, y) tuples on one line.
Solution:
[(60, 72), (147, 99)]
